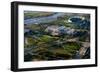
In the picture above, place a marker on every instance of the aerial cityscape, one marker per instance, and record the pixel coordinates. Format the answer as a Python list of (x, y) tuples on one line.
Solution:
[(52, 36)]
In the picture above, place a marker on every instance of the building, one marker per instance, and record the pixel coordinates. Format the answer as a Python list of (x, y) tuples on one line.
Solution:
[(59, 30)]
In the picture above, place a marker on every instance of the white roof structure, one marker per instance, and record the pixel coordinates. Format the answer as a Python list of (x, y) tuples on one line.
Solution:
[(57, 30)]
